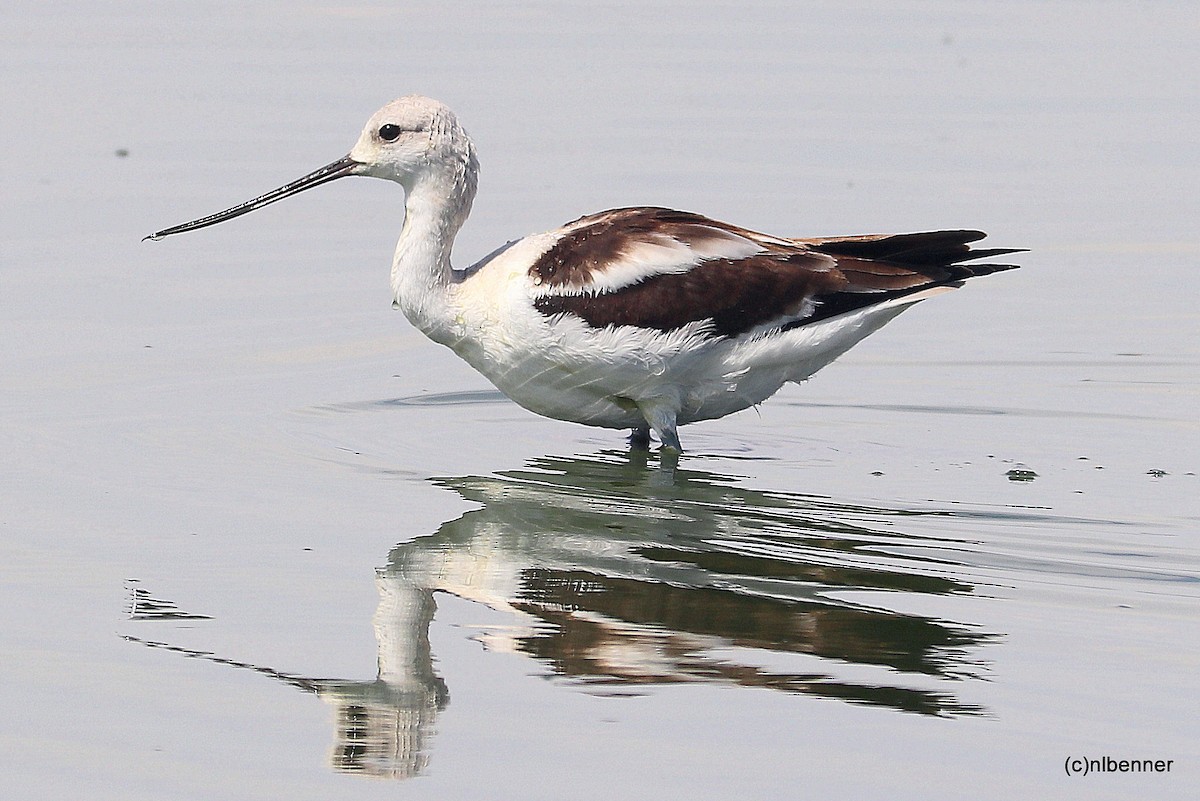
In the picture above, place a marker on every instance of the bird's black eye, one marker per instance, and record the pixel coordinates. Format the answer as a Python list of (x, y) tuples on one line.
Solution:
[(389, 132)]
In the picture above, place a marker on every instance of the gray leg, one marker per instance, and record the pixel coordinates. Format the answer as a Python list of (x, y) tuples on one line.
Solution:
[(662, 419), (670, 439)]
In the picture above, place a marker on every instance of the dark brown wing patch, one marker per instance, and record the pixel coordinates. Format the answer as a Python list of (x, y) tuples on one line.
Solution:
[(931, 258), (735, 295), (807, 281), (929, 248)]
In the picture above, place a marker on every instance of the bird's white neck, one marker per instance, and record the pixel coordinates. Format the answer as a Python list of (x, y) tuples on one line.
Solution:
[(436, 206)]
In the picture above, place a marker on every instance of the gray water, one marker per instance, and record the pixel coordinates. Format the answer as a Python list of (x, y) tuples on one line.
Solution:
[(260, 539)]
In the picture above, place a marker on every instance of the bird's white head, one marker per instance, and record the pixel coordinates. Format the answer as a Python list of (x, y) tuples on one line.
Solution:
[(415, 141), (414, 138)]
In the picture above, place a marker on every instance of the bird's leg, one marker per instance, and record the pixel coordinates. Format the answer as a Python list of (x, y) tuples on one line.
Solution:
[(670, 438), (662, 419), (639, 439)]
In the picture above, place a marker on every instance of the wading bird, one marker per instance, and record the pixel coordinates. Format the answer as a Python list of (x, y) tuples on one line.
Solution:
[(636, 318)]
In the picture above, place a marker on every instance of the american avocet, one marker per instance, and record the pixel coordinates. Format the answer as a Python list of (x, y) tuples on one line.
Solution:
[(640, 318)]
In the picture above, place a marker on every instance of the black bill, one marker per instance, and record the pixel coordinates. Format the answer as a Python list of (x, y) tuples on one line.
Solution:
[(338, 169)]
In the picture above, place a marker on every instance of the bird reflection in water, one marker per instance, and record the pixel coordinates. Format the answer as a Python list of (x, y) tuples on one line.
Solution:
[(621, 575)]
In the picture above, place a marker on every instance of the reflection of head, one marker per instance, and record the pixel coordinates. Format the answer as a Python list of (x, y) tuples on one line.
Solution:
[(382, 726), (381, 730)]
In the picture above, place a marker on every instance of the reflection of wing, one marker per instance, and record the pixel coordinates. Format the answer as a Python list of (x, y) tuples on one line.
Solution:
[(619, 581)]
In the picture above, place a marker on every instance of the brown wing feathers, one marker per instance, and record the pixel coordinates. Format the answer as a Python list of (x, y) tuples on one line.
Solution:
[(794, 284), (908, 262), (927, 249), (735, 294)]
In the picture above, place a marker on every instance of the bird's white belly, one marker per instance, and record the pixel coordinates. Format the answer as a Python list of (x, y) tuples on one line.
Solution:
[(567, 380), (560, 368)]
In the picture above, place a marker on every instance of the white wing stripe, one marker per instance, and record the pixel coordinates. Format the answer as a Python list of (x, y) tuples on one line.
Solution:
[(659, 254)]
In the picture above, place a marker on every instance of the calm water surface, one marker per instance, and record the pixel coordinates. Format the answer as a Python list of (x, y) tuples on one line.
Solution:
[(260, 539)]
